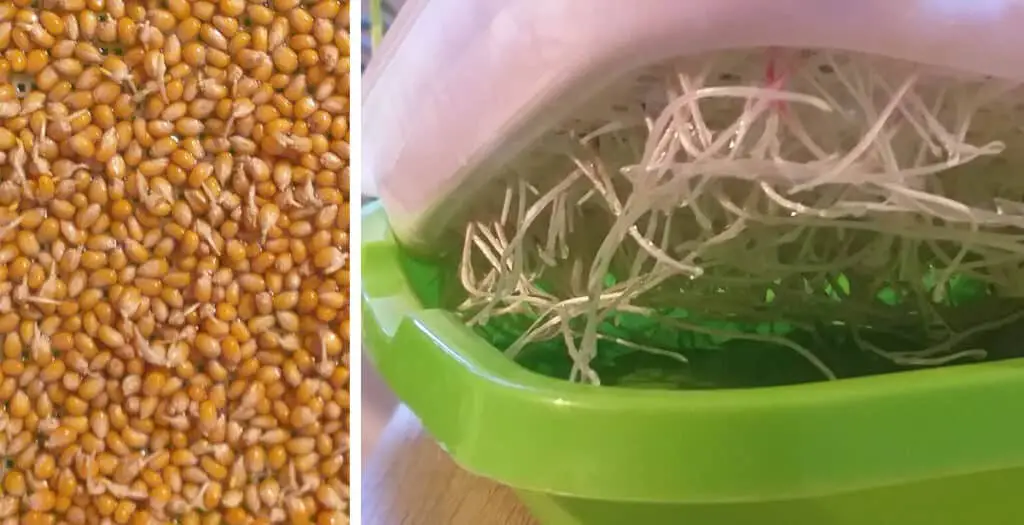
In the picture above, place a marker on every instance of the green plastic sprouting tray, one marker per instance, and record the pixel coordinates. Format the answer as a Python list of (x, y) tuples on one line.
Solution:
[(931, 447)]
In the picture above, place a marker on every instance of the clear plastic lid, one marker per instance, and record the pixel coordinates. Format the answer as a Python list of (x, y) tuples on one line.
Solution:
[(461, 88)]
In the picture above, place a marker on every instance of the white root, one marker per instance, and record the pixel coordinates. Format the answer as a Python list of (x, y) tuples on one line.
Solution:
[(732, 191)]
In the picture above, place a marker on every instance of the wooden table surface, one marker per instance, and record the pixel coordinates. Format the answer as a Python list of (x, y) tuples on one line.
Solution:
[(409, 480)]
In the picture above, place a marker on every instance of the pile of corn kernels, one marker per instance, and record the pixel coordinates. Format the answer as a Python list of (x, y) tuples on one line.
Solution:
[(173, 261)]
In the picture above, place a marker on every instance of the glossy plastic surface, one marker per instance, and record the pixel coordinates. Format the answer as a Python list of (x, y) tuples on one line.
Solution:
[(458, 88), (981, 499), (551, 437)]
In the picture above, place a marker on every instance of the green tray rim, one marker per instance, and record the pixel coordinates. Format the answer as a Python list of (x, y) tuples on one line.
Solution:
[(535, 433)]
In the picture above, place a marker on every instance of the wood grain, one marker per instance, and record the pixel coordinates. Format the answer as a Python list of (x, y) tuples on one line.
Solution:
[(409, 480), (378, 405)]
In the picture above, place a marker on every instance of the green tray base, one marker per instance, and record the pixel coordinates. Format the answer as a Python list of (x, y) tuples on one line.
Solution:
[(932, 447), (991, 498)]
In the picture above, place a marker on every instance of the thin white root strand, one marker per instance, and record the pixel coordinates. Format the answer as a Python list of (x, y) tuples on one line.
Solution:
[(711, 197)]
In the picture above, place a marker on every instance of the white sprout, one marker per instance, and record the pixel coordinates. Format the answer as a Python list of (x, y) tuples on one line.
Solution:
[(713, 195)]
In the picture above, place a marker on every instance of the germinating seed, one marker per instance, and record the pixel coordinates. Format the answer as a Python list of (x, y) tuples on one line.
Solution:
[(173, 261)]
